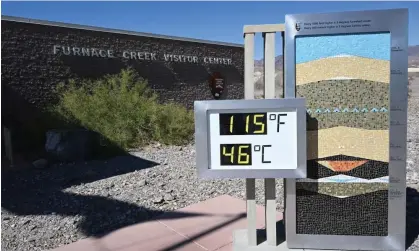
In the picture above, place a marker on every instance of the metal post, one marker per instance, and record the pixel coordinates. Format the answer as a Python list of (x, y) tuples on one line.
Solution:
[(249, 93), (268, 32), (270, 193), (283, 95)]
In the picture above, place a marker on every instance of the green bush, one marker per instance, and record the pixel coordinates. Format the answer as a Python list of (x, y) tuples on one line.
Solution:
[(124, 110)]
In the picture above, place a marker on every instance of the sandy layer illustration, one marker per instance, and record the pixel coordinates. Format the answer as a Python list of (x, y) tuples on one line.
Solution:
[(368, 144), (345, 67), (342, 190)]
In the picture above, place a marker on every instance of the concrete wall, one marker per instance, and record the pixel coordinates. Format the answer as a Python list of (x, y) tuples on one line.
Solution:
[(34, 61)]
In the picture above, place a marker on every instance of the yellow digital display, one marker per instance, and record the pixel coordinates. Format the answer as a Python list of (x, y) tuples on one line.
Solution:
[(243, 124), (236, 154)]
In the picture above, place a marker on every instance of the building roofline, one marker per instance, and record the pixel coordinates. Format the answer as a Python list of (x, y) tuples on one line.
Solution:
[(116, 31)]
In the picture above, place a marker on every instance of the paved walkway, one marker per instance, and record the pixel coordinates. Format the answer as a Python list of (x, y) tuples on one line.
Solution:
[(211, 231)]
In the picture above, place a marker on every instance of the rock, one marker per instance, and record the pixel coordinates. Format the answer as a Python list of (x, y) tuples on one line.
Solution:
[(40, 163), (168, 197), (142, 183), (158, 200), (69, 145), (31, 239)]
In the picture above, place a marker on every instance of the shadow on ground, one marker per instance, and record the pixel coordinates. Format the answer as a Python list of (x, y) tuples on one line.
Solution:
[(40, 192), (28, 191), (280, 233), (412, 216)]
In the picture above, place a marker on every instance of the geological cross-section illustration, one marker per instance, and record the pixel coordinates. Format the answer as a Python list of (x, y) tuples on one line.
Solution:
[(345, 80)]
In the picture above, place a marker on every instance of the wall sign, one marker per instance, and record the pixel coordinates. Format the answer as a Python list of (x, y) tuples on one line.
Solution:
[(262, 138), (137, 55), (217, 85)]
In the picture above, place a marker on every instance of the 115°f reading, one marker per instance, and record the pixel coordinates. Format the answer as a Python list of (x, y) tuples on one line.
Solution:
[(247, 123), (239, 153)]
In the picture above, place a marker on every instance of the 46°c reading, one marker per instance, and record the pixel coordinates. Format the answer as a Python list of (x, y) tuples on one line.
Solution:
[(241, 154)]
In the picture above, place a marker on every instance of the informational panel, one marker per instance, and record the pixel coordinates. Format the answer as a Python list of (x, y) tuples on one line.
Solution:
[(250, 138), (352, 69)]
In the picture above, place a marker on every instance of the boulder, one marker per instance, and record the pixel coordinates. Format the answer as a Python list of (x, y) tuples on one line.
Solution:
[(40, 163), (69, 145)]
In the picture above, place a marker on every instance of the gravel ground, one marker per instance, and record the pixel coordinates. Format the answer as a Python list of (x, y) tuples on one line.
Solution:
[(44, 209)]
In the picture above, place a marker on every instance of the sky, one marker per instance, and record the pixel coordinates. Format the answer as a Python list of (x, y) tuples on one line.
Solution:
[(217, 21)]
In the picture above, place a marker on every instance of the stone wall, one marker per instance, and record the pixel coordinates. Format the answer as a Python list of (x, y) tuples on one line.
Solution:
[(34, 61)]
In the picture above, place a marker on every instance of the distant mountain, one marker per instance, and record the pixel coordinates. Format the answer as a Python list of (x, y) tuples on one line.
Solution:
[(278, 63), (412, 52)]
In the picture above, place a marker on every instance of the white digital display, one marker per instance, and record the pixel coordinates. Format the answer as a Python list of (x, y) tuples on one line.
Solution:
[(259, 138), (255, 140)]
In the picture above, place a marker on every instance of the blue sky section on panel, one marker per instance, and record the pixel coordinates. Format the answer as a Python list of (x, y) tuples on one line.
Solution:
[(374, 46)]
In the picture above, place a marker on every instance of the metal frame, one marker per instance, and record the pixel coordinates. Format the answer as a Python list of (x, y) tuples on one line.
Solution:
[(268, 32), (203, 108), (396, 22)]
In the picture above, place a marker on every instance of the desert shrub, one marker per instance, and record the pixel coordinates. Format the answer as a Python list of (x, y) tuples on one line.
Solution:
[(124, 110)]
